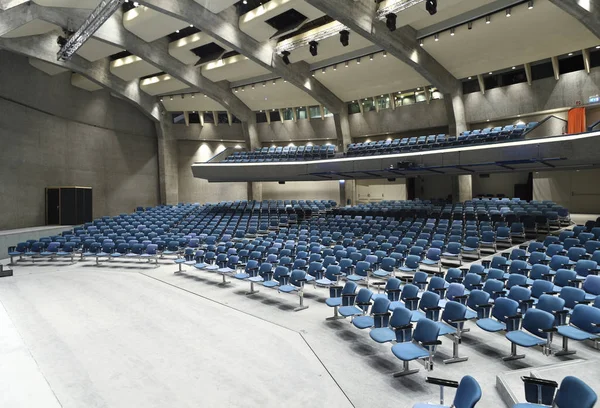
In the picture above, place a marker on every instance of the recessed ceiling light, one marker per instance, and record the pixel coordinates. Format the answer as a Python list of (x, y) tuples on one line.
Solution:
[(358, 61), (570, 54), (313, 73), (177, 31), (384, 54), (346, 65), (421, 43), (597, 47), (488, 19), (335, 67), (488, 120), (323, 71), (530, 4), (469, 78), (191, 25), (452, 32), (514, 67), (436, 37), (491, 73), (371, 58), (508, 12)]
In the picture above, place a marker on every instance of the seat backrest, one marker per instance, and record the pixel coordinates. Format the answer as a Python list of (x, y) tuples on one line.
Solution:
[(426, 331), (585, 317), (453, 311), (504, 307), (592, 284), (540, 287), (575, 393), (468, 393), (536, 320)]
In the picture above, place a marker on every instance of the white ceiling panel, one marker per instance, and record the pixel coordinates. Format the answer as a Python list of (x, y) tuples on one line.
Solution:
[(85, 4), (199, 103), (132, 67), (216, 6), (328, 48), (526, 36), (232, 69), (279, 95), (181, 49), (161, 84), (93, 50), (150, 25), (34, 27), (253, 22), (82, 82), (43, 66), (382, 75)]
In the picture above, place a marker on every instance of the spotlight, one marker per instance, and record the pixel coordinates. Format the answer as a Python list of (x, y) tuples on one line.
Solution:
[(286, 57), (470, 25), (530, 4), (384, 54), (371, 57), (335, 67), (421, 43), (61, 41), (171, 98), (345, 37), (161, 99), (514, 67), (193, 96), (264, 84), (390, 21), (469, 77), (508, 12), (452, 32), (235, 90), (313, 73), (436, 37), (431, 6), (358, 61), (323, 71), (346, 64), (488, 19), (313, 48), (274, 81)]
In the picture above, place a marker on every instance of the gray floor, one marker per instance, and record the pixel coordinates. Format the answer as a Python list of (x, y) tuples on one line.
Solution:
[(128, 334)]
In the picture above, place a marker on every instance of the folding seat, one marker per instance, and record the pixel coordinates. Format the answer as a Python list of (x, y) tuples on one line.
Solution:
[(451, 324), (584, 324), (408, 298), (564, 278), (468, 392), (396, 328), (356, 304), (591, 286), (428, 307), (151, 253), (422, 347), (537, 328), (453, 252), (497, 317), (120, 250), (572, 393)]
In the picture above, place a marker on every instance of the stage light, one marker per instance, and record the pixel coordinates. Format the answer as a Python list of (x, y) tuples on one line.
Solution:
[(452, 32), (313, 46), (390, 21), (431, 6), (530, 4), (285, 55), (421, 43), (345, 37), (488, 19), (470, 25), (436, 37), (508, 12)]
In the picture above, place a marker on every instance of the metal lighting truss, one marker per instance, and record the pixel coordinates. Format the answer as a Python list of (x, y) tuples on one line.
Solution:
[(396, 7), (105, 9), (329, 30)]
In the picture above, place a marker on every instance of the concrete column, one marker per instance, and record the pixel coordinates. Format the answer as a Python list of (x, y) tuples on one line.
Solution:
[(455, 108), (347, 192), (342, 128), (168, 162), (252, 142), (462, 188)]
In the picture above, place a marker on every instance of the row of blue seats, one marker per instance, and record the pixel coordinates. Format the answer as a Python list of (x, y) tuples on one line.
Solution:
[(278, 154), (395, 146)]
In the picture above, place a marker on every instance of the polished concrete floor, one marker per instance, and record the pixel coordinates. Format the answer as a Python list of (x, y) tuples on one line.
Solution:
[(126, 334)]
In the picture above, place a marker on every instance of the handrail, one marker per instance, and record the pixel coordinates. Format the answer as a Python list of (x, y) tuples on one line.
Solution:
[(541, 122), (591, 128)]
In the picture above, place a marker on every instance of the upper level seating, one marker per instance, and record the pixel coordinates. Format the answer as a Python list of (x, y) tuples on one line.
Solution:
[(279, 154), (404, 145)]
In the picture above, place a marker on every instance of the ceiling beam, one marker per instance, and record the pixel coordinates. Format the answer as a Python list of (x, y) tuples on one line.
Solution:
[(7, 4), (44, 48), (113, 32), (15, 17), (263, 54), (402, 43), (589, 18)]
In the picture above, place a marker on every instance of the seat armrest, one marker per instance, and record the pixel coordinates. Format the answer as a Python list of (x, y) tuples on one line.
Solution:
[(461, 320), (552, 292), (478, 285), (528, 301), (461, 297), (411, 299), (584, 302), (515, 317), (485, 306), (382, 314), (403, 327), (431, 343), (301, 280), (539, 381), (550, 330), (561, 312), (363, 303), (434, 308), (442, 382), (394, 291)]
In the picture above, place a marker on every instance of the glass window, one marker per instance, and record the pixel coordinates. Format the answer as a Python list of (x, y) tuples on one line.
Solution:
[(353, 108), (383, 102), (420, 96), (223, 118), (326, 112), (595, 58), (368, 104), (234, 119), (470, 86), (315, 112), (408, 98), (275, 117), (570, 64), (208, 118), (301, 113), (178, 118), (543, 70), (514, 76), (491, 81), (288, 114), (261, 117), (194, 117)]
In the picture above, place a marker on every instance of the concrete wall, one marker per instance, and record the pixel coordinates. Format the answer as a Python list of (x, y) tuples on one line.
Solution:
[(197, 190), (499, 183), (576, 190), (541, 95), (318, 131), (302, 190), (53, 134), (379, 190)]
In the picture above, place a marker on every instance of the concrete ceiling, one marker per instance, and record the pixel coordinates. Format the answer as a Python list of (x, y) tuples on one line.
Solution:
[(381, 75), (526, 36), (150, 25), (198, 103), (85, 4), (34, 27), (94, 50), (279, 95)]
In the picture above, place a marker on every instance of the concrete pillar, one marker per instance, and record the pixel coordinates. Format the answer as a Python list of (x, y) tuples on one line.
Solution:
[(347, 192), (455, 108), (168, 162), (252, 142), (342, 128), (462, 188)]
